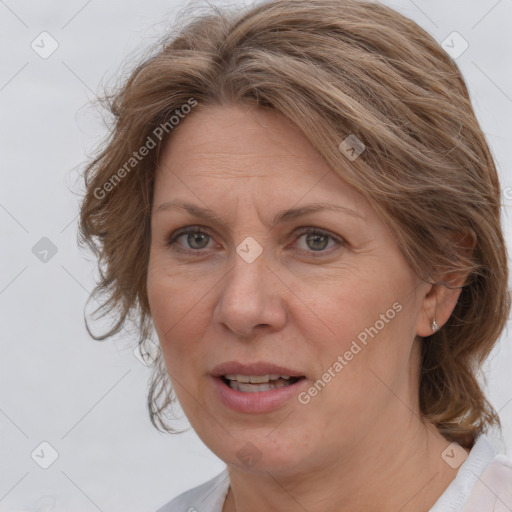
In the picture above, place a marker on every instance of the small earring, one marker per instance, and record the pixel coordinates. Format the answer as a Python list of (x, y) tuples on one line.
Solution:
[(434, 325)]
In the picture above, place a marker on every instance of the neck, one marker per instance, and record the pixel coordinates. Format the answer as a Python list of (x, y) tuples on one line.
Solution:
[(401, 470)]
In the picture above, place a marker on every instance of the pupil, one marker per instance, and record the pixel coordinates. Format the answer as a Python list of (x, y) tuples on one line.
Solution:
[(197, 240), (316, 242)]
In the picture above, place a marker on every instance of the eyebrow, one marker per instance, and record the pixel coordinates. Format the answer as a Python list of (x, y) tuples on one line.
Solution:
[(284, 215)]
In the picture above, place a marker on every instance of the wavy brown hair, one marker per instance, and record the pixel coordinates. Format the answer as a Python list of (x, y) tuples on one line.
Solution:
[(334, 68)]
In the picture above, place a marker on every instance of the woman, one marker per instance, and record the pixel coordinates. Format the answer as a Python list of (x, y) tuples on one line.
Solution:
[(301, 203)]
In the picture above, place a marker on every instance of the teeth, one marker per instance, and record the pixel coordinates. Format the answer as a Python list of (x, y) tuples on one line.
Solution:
[(239, 378), (259, 379), (255, 379), (255, 388)]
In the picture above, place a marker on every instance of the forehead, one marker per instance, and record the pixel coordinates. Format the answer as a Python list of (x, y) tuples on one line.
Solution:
[(239, 153), (236, 139)]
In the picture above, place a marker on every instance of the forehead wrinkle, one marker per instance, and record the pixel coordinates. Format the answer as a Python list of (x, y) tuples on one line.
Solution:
[(230, 160), (232, 211), (232, 174), (223, 171)]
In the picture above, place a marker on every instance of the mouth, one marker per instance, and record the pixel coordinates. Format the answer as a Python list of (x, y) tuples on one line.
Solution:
[(257, 387), (258, 383)]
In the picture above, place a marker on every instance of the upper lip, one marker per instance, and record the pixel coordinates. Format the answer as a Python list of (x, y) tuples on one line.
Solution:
[(257, 368)]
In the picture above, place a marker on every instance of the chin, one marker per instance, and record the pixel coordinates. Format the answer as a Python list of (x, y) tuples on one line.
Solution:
[(259, 450)]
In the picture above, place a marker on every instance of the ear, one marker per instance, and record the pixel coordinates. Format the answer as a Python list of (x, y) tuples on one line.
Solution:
[(440, 299)]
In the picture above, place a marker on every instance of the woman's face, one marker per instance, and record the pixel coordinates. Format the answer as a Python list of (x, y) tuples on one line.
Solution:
[(263, 263)]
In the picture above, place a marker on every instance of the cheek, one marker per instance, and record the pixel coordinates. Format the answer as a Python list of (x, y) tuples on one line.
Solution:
[(367, 322), (347, 308), (364, 348), (180, 312)]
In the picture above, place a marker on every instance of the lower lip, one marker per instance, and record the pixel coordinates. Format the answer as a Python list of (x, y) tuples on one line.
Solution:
[(259, 401)]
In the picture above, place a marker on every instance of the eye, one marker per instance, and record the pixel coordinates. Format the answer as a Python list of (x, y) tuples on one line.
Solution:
[(317, 240), (191, 239), (195, 240)]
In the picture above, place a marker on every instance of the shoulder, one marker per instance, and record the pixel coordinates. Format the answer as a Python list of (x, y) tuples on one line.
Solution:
[(483, 483), (493, 489), (207, 497)]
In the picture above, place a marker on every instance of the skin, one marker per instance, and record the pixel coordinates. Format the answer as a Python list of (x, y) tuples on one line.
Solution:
[(360, 444)]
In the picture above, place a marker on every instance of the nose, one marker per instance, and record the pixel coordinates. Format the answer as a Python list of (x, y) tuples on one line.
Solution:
[(250, 299)]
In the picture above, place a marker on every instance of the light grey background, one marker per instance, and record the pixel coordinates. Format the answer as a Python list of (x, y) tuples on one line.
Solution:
[(87, 399)]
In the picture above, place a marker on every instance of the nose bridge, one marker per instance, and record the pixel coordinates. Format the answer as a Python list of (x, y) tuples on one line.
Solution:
[(246, 284), (249, 265), (248, 299)]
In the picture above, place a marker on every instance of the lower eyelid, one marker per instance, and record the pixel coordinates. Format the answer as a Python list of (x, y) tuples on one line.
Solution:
[(319, 254)]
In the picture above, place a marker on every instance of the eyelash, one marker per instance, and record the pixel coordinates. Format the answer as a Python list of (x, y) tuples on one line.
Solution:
[(173, 239)]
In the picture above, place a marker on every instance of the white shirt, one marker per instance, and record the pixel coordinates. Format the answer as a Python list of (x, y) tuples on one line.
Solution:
[(483, 484)]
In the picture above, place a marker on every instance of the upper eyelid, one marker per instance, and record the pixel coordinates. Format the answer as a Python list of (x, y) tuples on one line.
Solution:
[(322, 231), (193, 228)]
